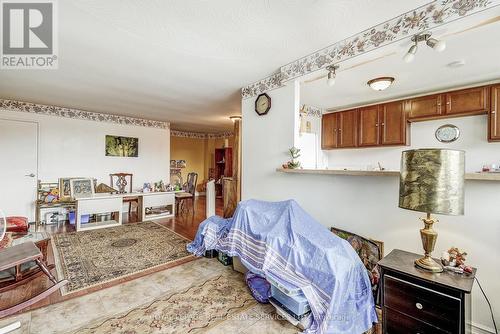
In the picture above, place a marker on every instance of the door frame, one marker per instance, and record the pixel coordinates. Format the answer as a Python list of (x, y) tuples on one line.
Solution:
[(37, 149)]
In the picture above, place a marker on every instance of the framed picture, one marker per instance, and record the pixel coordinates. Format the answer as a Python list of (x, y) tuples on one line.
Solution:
[(173, 163), (181, 163), (117, 146), (65, 187), (82, 188)]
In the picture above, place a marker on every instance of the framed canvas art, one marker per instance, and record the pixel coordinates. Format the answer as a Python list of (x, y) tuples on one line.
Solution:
[(82, 188), (117, 146)]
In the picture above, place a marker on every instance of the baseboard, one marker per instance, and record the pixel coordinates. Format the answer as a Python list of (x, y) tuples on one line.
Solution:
[(481, 329)]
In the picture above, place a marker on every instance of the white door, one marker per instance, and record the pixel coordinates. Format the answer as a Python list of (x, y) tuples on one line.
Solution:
[(18, 167)]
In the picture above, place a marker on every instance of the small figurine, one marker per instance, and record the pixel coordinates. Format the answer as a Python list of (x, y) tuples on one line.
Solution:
[(159, 186), (147, 187), (454, 260)]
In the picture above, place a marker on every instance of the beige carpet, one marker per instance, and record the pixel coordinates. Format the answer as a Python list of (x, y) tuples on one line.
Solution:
[(91, 258), (193, 310)]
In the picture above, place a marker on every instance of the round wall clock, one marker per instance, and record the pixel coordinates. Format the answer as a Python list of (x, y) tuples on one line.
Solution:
[(262, 104), (447, 133)]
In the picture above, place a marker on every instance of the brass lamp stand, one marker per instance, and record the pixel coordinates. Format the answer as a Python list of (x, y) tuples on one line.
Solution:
[(432, 181), (429, 237)]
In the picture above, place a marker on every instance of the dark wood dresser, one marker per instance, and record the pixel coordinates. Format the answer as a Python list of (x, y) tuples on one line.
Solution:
[(417, 301)]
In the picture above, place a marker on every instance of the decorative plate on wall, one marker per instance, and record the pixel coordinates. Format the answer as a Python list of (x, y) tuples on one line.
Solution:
[(447, 133)]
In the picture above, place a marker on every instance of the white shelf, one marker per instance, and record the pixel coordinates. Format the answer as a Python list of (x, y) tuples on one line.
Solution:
[(468, 176), (98, 225), (159, 215)]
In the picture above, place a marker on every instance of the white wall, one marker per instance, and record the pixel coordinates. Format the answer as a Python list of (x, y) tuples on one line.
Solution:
[(369, 205), (76, 148)]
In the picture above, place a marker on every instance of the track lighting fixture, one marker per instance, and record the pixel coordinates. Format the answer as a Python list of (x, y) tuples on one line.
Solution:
[(410, 55), (439, 46), (436, 45), (331, 74)]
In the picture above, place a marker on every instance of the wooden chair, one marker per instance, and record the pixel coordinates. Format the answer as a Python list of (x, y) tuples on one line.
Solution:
[(14, 257), (188, 193), (122, 181)]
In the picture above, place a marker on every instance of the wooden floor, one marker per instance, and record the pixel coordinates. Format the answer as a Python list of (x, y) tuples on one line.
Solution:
[(186, 224)]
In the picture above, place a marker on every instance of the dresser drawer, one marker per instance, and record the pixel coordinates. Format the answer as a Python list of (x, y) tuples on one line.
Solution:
[(429, 306), (398, 323)]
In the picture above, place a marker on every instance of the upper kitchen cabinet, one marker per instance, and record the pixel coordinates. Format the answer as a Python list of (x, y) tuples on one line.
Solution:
[(494, 119), (329, 131), (394, 128), (465, 102), (424, 107), (473, 101), (348, 128), (369, 133)]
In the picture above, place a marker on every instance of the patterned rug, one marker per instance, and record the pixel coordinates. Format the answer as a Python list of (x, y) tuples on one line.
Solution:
[(91, 258), (191, 311)]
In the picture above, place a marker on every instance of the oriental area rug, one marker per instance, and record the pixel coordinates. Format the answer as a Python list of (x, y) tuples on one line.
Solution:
[(91, 258), (193, 310)]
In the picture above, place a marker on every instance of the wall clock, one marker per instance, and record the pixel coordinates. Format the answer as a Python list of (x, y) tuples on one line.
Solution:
[(262, 104), (447, 133)]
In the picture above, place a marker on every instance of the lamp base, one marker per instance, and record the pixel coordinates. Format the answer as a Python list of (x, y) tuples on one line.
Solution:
[(427, 263), (429, 237)]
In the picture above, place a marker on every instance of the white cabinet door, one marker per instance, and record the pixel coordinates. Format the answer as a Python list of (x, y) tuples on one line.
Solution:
[(18, 167)]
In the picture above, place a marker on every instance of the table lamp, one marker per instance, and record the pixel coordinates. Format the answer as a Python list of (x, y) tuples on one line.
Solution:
[(432, 181)]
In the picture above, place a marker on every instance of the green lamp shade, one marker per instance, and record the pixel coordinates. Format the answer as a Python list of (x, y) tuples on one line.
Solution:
[(432, 181)]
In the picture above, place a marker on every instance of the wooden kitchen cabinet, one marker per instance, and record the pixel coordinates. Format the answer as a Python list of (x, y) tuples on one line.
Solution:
[(329, 130), (394, 128), (369, 120), (388, 123), (348, 128), (424, 107), (339, 130), (472, 101), (383, 124), (493, 117)]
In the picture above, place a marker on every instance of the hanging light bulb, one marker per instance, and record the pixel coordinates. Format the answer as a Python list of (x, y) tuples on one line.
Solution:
[(410, 55), (331, 75), (437, 45)]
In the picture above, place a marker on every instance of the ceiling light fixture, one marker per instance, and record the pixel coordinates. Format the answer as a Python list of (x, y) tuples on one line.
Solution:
[(235, 118), (436, 45), (380, 84), (331, 74), (410, 55)]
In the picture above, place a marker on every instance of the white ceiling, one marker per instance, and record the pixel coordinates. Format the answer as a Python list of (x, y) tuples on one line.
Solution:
[(184, 61), (470, 40)]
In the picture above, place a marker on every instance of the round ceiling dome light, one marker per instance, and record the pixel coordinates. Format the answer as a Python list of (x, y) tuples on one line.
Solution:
[(380, 84)]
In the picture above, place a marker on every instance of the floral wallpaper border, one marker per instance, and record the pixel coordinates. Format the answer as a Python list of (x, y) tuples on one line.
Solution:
[(199, 135), (47, 110), (311, 111), (421, 19)]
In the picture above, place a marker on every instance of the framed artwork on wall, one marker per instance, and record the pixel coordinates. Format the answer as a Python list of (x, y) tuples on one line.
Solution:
[(82, 188), (118, 146), (178, 164)]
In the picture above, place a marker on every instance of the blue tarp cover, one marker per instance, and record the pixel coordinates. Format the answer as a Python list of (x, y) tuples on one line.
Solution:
[(282, 241)]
